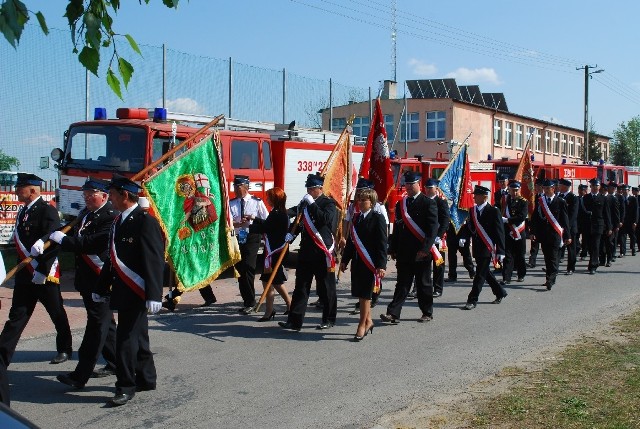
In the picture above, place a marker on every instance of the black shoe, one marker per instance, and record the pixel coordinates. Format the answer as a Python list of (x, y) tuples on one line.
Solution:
[(621, 255), (325, 325), (103, 372), (633, 253), (169, 305), (530, 265), (69, 380), (145, 387), (317, 304), (425, 318), (437, 294), (289, 326), (120, 399), (547, 285), (246, 310), (60, 357), (591, 272), (412, 294), (450, 280), (387, 318), (355, 311), (268, 317), (613, 259), (472, 274), (520, 279), (209, 302), (469, 306), (499, 300), (569, 273), (608, 264)]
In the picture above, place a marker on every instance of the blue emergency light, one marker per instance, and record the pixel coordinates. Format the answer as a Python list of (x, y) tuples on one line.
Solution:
[(564, 161), (100, 113), (489, 157), (393, 154), (159, 114)]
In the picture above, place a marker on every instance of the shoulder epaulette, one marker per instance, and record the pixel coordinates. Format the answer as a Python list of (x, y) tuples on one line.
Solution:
[(253, 197)]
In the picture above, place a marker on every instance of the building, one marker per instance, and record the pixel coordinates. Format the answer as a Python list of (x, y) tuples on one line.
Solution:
[(439, 111)]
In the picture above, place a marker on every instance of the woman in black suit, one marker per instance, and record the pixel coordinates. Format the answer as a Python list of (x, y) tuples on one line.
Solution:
[(367, 249), (275, 227)]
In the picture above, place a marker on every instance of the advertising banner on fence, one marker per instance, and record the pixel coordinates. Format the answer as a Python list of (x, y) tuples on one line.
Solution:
[(9, 206)]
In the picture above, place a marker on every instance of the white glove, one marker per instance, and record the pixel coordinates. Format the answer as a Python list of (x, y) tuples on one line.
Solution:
[(57, 236), (501, 258), (38, 248), (307, 199), (505, 220), (154, 306), (99, 298), (438, 241), (289, 237), (461, 242), (39, 278)]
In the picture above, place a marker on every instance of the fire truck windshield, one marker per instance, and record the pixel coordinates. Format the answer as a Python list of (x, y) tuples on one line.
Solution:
[(100, 147)]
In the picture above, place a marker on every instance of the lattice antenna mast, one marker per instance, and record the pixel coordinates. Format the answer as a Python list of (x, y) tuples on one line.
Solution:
[(394, 33)]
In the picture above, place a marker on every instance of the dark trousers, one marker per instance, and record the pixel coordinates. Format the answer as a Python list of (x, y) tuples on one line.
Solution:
[(438, 276), (593, 238), (584, 244), (452, 256), (623, 240), (247, 269), (25, 298), (325, 285), (514, 257), (533, 253), (134, 360), (4, 385), (407, 271), (606, 247), (551, 253), (99, 336), (572, 253), (484, 273)]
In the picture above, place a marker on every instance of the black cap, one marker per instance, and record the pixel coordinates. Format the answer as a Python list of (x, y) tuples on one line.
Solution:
[(240, 180), (121, 182), (27, 179), (481, 190), (503, 176), (539, 181), (582, 186), (594, 181), (548, 183), (623, 186), (634, 188), (515, 184), (411, 176), (612, 184), (364, 184), (95, 185), (564, 182), (431, 183), (314, 181)]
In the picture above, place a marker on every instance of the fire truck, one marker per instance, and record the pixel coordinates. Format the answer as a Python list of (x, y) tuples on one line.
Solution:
[(270, 154)]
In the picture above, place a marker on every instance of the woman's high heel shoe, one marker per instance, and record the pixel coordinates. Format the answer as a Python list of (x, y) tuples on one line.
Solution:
[(269, 317)]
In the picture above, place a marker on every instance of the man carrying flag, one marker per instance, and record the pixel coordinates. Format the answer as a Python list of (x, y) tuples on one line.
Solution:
[(431, 190)]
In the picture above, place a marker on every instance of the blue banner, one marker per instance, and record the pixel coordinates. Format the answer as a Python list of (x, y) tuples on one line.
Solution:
[(451, 185)]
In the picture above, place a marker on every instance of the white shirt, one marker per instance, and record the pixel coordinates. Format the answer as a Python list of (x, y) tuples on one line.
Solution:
[(253, 206), (127, 212)]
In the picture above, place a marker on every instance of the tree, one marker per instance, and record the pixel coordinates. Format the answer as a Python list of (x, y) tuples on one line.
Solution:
[(90, 22), (6, 161), (625, 150), (595, 152)]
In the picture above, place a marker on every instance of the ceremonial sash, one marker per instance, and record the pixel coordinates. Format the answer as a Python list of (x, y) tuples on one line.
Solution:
[(93, 261), (552, 220), (366, 258), (317, 239), (516, 231), (504, 204), (419, 233), (23, 253), (126, 274), (269, 253), (483, 235)]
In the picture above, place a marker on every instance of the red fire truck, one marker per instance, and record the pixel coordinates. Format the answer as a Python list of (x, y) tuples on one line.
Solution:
[(270, 154)]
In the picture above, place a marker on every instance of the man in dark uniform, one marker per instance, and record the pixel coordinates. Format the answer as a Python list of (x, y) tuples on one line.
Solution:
[(90, 243), (452, 255), (630, 221), (39, 280), (316, 258), (607, 243), (244, 208), (514, 215), (551, 228), (584, 223), (486, 228), (501, 194), (595, 205), (414, 232), (615, 190), (635, 191), (535, 245), (444, 219), (564, 191), (131, 280)]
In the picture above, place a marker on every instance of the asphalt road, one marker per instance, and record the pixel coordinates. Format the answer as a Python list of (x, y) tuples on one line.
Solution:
[(218, 369)]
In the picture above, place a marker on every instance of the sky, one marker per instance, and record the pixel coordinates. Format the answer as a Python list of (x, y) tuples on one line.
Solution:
[(527, 50)]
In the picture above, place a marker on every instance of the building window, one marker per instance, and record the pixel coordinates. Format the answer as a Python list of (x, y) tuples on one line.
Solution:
[(410, 126), (497, 132), (389, 127), (537, 139), (547, 142), (436, 122), (338, 124), (508, 134), (572, 140), (579, 148), (519, 128), (556, 143), (564, 145), (361, 126)]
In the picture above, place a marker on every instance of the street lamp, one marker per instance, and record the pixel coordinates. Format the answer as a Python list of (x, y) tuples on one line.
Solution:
[(587, 75)]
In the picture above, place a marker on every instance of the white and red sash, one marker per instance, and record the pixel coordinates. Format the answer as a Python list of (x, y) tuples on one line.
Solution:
[(552, 220), (418, 232), (483, 234), (23, 253), (516, 231), (126, 274), (268, 263), (93, 261), (366, 258), (317, 239)]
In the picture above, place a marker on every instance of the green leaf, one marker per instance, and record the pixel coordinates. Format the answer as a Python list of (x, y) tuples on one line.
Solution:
[(13, 17), (133, 44), (75, 9), (92, 29), (171, 3), (90, 58), (126, 70), (7, 32), (114, 83), (42, 22)]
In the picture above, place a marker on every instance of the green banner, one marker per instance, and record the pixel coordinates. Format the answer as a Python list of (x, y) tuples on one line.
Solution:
[(189, 199)]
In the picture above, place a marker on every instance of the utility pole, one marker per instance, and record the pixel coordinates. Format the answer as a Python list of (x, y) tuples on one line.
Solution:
[(587, 75)]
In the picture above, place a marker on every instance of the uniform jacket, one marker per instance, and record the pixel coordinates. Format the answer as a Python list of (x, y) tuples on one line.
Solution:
[(324, 215), (631, 211), (572, 211), (37, 223), (518, 211), (597, 209), (372, 231), (140, 246), (543, 229), (614, 210), (424, 212), (498, 197), (491, 221), (276, 226), (90, 238), (444, 216)]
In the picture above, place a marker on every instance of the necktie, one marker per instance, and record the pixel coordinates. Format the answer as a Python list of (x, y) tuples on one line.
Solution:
[(409, 201), (548, 200), (478, 211), (241, 208)]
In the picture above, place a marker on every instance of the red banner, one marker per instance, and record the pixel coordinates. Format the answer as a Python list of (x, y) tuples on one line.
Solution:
[(524, 175), (376, 163), (466, 192)]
